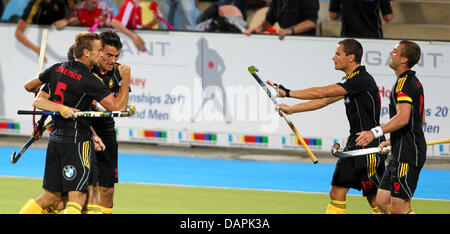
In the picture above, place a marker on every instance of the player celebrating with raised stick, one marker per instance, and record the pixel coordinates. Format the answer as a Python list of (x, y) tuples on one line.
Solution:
[(407, 140), (72, 85), (362, 103)]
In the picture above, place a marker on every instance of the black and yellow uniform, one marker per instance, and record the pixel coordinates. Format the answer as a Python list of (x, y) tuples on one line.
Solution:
[(69, 149), (40, 12), (408, 143), (361, 18), (362, 104), (107, 161)]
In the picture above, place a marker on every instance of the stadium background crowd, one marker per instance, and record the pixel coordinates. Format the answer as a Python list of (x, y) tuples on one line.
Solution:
[(422, 20)]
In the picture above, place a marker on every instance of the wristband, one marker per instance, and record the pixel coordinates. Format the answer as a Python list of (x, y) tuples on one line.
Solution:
[(63, 110), (377, 132), (292, 29), (286, 90)]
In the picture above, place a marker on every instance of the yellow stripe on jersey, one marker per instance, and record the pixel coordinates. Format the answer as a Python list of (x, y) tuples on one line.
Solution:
[(403, 170), (98, 77), (33, 11), (400, 84), (85, 154), (372, 164), (404, 99), (351, 75)]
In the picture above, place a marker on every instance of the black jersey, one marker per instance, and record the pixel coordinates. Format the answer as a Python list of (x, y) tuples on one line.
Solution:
[(292, 12), (408, 143), (361, 18), (104, 127), (72, 84), (40, 12), (362, 104)]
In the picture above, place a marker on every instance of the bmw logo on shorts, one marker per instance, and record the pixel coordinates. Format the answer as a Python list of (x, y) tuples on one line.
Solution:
[(69, 172)]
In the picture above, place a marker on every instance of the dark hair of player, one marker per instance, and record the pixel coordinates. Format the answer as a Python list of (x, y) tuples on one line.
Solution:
[(352, 46), (111, 38)]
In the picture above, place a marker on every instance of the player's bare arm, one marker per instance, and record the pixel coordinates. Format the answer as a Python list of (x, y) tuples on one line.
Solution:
[(333, 90), (98, 143), (309, 105), (33, 85), (42, 102), (120, 101), (398, 121)]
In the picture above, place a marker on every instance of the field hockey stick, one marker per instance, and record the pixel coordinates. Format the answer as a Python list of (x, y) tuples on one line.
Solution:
[(436, 142), (88, 114), (354, 153), (15, 157), (263, 85), (40, 65), (153, 7), (374, 150)]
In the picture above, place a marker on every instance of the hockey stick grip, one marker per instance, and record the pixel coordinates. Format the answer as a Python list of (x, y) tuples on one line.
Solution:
[(435, 142), (28, 112), (82, 113)]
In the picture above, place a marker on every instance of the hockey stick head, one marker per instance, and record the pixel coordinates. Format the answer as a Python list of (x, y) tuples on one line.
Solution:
[(252, 69), (131, 108), (335, 149), (13, 158)]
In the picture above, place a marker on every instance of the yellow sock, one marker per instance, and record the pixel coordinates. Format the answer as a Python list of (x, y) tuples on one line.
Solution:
[(72, 208), (388, 210), (106, 210), (411, 212), (50, 210), (94, 209), (336, 207), (31, 207), (376, 210)]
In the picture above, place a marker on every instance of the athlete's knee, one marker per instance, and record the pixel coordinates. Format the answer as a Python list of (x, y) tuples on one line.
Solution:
[(400, 206), (338, 193), (106, 191), (48, 198), (77, 197)]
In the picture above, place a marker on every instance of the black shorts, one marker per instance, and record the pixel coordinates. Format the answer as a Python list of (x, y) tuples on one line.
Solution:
[(401, 179), (93, 178), (362, 172), (107, 162), (67, 166)]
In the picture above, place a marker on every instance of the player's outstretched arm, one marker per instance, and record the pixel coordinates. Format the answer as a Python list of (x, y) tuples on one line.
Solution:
[(309, 105)]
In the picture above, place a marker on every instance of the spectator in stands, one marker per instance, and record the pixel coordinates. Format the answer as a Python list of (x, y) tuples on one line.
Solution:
[(240, 4), (46, 12), (185, 10), (88, 12), (293, 16), (361, 18), (130, 17)]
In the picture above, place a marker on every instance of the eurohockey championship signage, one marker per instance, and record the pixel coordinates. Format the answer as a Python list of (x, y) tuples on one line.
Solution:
[(193, 88)]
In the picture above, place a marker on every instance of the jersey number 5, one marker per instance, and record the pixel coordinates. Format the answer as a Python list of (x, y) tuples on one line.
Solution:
[(60, 87)]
